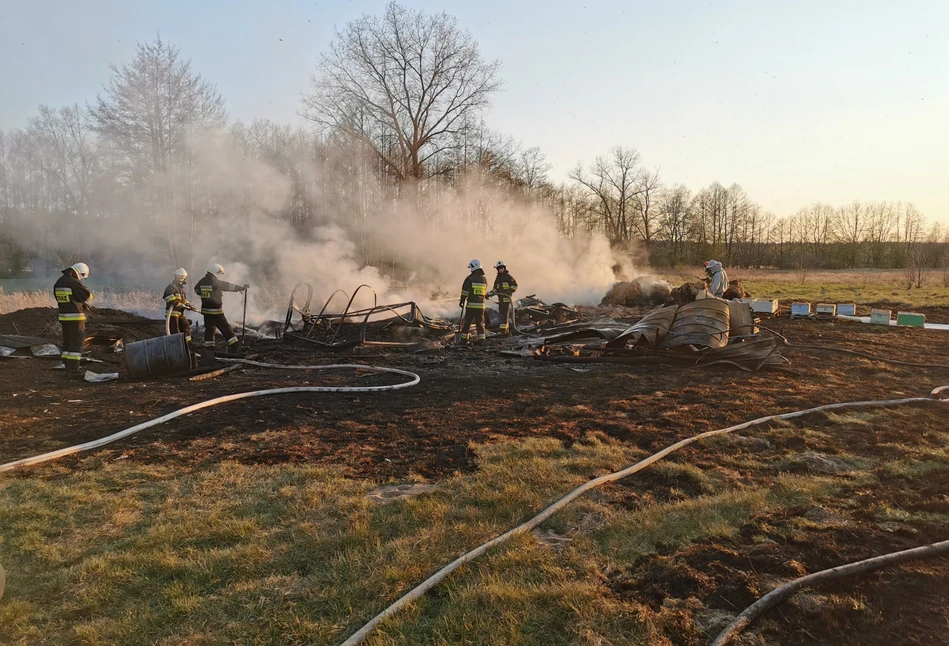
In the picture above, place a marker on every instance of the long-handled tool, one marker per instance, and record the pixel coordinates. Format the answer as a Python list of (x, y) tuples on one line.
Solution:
[(460, 323), (244, 319)]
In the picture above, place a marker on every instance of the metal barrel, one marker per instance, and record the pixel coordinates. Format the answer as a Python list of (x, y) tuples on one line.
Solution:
[(158, 356)]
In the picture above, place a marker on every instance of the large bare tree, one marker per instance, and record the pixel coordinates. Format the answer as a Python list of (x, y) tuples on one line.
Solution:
[(613, 182), (403, 83)]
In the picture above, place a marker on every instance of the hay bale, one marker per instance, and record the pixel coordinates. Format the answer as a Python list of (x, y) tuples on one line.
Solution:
[(645, 290), (686, 292), (735, 290)]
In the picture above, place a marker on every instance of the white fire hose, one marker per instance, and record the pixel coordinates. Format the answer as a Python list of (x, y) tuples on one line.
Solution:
[(429, 583), (94, 444)]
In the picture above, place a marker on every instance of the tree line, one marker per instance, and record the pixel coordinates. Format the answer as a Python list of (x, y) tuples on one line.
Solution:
[(153, 166)]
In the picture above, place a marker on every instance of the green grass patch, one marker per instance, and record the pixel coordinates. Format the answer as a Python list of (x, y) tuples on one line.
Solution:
[(294, 554)]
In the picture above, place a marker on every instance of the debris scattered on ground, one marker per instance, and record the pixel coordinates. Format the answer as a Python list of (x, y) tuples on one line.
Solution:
[(551, 538), (822, 463), (391, 493), (100, 377), (46, 350)]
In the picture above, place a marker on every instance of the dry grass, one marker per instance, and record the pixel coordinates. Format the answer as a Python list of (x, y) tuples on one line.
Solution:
[(861, 287), (130, 554)]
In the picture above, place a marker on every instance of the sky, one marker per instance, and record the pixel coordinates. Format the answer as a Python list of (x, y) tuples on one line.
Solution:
[(798, 102)]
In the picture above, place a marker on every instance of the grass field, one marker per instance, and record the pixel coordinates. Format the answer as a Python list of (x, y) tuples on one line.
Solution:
[(861, 287), (262, 555)]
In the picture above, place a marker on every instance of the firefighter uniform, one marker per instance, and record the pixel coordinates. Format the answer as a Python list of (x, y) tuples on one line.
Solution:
[(473, 293), (72, 298), (211, 290), (176, 300), (504, 287)]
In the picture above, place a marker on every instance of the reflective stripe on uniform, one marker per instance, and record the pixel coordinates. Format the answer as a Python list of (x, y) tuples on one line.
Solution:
[(204, 311), (63, 294), (479, 289), (475, 306), (233, 340), (72, 316), (173, 297)]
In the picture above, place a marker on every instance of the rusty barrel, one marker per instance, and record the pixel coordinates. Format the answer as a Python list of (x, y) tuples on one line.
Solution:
[(161, 355)]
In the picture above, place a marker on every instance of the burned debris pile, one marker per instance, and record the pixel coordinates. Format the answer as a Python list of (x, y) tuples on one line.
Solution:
[(704, 332), (388, 325), (701, 332)]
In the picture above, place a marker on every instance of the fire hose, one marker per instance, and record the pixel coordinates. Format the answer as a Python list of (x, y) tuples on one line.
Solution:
[(429, 583), (781, 593), (168, 318), (94, 444)]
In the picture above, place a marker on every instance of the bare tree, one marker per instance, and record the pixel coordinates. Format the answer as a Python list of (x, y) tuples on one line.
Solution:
[(403, 83), (674, 222), (647, 185), (532, 167), (613, 182)]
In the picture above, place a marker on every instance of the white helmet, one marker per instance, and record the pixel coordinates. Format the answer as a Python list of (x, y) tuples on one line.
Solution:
[(499, 264), (181, 274), (474, 265), (216, 269), (81, 269)]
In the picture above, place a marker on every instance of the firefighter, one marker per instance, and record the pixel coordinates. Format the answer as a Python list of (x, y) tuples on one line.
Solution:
[(72, 298), (176, 300), (504, 288), (211, 289), (473, 293), (716, 277)]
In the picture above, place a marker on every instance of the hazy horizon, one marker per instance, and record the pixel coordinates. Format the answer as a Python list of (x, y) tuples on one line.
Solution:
[(797, 105)]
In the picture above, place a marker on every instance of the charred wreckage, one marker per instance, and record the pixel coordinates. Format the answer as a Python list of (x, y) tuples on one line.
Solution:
[(704, 331)]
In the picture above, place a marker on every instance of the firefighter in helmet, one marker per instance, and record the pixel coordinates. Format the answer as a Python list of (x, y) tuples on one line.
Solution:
[(211, 290), (176, 301), (72, 298), (473, 293), (504, 288)]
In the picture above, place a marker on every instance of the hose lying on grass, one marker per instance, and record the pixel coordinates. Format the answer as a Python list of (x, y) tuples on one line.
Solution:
[(438, 577), (778, 595), (94, 444)]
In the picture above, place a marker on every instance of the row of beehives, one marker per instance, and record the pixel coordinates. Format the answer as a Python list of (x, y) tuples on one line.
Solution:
[(879, 316)]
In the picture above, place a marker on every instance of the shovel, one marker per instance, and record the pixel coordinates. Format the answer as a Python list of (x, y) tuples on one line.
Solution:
[(244, 320), (460, 321)]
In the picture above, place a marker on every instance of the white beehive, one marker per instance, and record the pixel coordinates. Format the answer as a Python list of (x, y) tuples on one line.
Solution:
[(764, 306), (826, 309), (800, 309), (880, 317)]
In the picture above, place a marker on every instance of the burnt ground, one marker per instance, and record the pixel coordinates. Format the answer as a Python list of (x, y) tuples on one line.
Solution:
[(473, 396)]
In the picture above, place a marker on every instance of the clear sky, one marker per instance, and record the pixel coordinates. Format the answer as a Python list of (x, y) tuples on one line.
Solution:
[(798, 102)]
